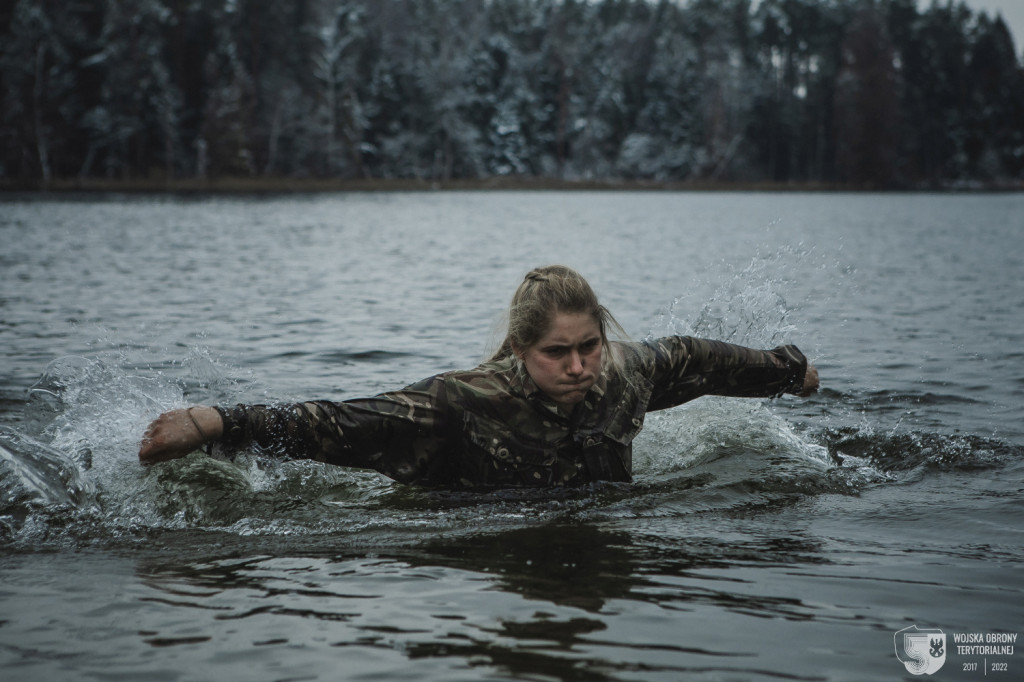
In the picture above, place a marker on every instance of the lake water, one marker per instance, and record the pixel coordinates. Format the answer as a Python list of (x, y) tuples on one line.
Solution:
[(761, 540)]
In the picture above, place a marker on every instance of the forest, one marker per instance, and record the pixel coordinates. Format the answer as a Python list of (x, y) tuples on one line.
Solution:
[(873, 94)]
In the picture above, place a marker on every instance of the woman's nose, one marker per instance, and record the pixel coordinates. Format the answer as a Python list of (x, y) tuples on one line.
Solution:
[(575, 363)]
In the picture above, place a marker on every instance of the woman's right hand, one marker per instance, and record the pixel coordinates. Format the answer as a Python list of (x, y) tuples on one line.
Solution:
[(176, 433)]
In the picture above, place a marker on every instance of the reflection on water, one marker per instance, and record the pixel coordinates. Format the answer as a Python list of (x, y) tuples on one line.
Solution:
[(570, 565), (554, 592)]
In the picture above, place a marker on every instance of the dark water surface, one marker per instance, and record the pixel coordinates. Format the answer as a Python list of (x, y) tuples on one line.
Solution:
[(761, 540)]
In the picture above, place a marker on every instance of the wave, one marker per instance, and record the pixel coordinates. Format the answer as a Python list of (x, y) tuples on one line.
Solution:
[(895, 452), (70, 475)]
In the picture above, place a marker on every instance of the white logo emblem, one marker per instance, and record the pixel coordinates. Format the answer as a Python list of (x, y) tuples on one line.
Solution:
[(922, 651)]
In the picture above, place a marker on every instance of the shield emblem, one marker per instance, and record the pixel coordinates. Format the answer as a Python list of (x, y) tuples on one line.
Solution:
[(921, 650)]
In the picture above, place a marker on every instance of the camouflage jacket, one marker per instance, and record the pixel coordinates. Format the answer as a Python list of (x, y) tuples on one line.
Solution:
[(491, 426)]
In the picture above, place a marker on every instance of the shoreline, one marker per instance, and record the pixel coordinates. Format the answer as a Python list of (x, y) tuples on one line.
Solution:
[(263, 185)]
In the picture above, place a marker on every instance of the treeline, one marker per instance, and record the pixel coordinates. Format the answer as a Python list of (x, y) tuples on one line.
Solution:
[(872, 93)]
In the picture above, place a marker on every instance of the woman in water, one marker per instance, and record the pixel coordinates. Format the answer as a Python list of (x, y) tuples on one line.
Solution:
[(557, 405)]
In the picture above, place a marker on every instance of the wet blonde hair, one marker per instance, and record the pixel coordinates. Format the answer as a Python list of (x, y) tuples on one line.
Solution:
[(545, 291)]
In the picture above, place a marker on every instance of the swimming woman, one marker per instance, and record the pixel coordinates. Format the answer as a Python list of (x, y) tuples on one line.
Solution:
[(557, 404)]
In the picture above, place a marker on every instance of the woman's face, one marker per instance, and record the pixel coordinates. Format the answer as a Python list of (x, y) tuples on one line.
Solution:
[(565, 362)]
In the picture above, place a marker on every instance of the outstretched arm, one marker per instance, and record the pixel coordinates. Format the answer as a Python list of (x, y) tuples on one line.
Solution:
[(400, 434), (176, 433), (683, 368)]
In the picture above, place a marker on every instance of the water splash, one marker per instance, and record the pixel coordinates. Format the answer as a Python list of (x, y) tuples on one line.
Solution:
[(34, 475), (747, 306), (94, 405)]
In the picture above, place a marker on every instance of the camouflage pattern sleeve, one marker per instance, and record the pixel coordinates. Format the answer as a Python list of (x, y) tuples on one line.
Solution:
[(683, 368), (401, 434)]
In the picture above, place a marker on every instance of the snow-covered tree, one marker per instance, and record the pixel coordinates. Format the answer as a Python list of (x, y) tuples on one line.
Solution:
[(783, 90)]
